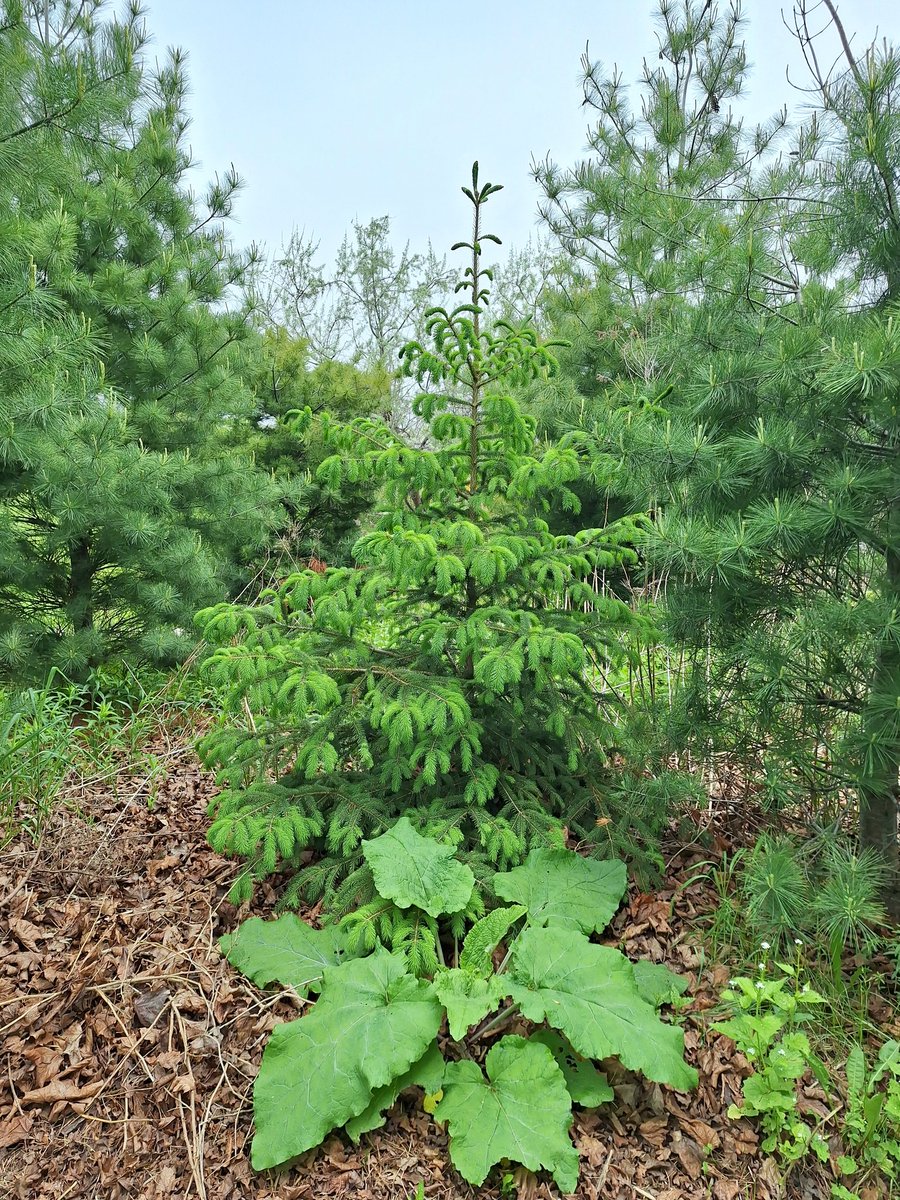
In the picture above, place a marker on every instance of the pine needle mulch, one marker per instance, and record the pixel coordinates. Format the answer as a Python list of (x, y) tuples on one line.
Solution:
[(129, 1046)]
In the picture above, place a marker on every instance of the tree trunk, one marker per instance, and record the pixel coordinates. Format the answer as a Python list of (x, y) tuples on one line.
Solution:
[(81, 582), (878, 790)]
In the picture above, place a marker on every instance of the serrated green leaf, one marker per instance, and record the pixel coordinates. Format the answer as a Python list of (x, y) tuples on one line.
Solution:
[(521, 1112), (657, 984), (372, 1021), (413, 870), (586, 1084), (589, 993), (467, 998), (559, 887), (856, 1073), (427, 1073), (484, 937), (287, 950)]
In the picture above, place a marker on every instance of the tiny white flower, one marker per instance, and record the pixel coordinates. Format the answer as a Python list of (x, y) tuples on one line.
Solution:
[(765, 945), (750, 1051), (762, 966), (781, 1052), (798, 942), (732, 983), (760, 984)]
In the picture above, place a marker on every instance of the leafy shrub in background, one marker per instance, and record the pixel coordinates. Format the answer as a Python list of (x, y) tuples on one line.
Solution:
[(374, 1031), (448, 674)]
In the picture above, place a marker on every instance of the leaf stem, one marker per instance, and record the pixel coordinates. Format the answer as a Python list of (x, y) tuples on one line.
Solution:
[(494, 1022)]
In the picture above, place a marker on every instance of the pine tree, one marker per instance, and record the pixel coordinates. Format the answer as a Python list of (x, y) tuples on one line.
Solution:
[(860, 180), (755, 414), (123, 514), (451, 674)]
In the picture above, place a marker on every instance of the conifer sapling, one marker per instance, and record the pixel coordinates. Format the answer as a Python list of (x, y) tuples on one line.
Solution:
[(448, 674)]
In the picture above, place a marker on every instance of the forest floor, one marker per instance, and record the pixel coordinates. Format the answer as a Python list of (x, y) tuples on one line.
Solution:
[(129, 1045)]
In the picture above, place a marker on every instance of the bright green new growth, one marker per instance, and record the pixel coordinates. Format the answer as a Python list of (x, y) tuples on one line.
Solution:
[(448, 675), (486, 934), (371, 1034), (467, 998)]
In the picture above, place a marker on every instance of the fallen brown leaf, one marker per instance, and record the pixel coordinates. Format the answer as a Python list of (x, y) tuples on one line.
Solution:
[(62, 1089), (14, 1130)]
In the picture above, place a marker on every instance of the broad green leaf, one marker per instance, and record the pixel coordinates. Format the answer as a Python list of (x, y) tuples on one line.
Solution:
[(586, 1085), (589, 993), (287, 950), (467, 998), (427, 1073), (414, 870), (485, 935), (888, 1059), (559, 887), (372, 1021), (522, 1112), (747, 1030), (657, 984)]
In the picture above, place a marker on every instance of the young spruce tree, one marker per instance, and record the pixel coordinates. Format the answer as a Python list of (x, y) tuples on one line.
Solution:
[(450, 674)]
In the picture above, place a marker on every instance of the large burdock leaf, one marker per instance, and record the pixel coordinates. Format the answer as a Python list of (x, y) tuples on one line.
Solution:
[(371, 1023), (427, 1073), (657, 984), (559, 887), (586, 1085), (467, 998), (522, 1112), (589, 993), (287, 950), (413, 870)]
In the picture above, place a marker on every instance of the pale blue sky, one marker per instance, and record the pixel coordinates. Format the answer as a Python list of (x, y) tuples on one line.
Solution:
[(355, 108)]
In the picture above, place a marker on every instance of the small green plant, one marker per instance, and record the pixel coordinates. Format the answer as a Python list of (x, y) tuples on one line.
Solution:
[(825, 890), (36, 748), (764, 1026), (527, 965), (776, 889), (725, 926), (847, 907), (871, 1121)]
